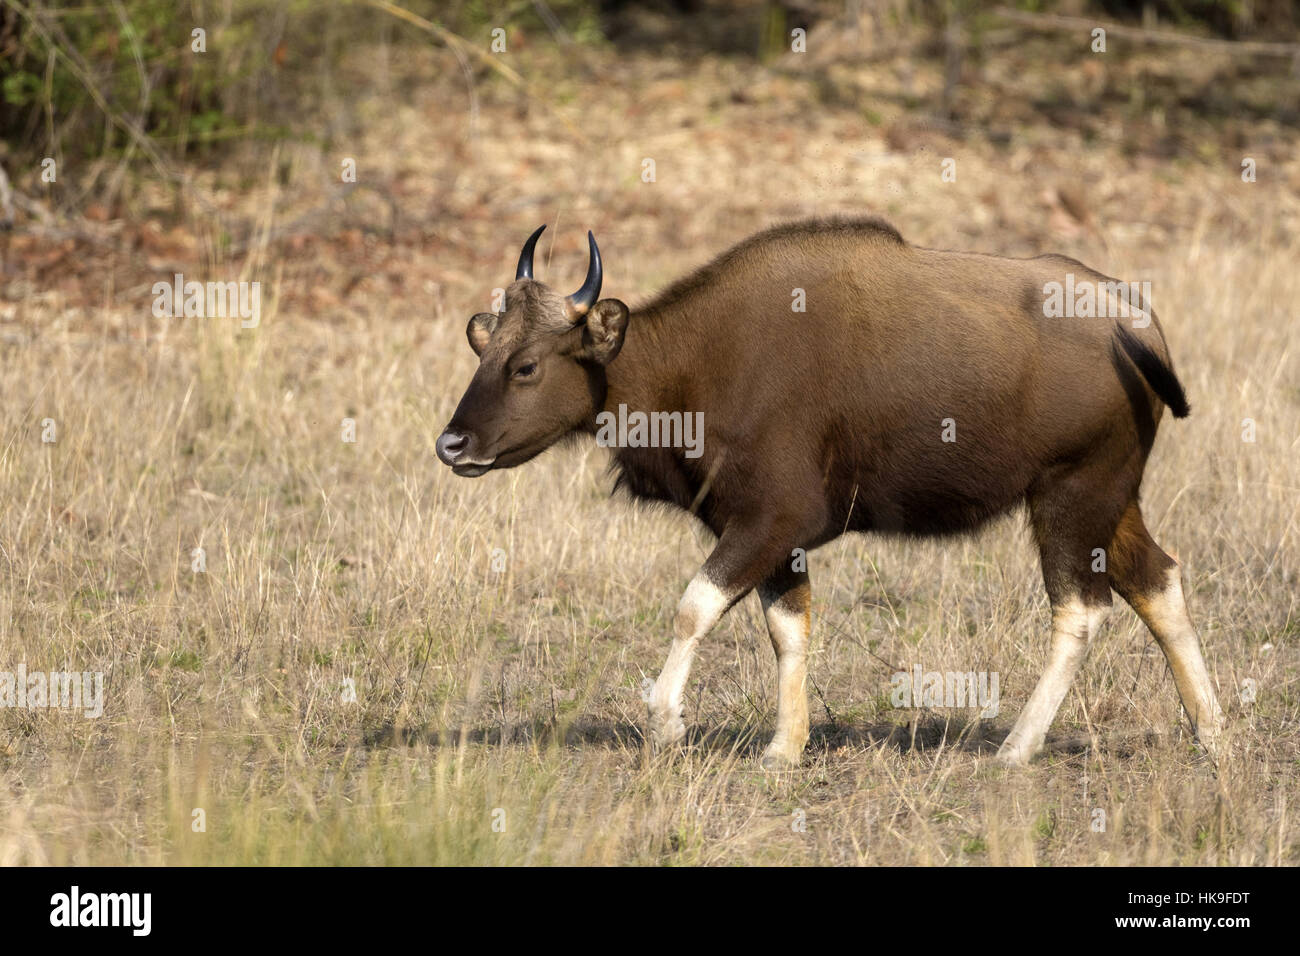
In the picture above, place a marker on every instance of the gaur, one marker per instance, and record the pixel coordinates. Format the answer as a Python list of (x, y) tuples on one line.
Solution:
[(851, 381)]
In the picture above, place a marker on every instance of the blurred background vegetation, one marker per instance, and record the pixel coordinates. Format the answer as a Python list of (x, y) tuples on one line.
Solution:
[(122, 79), (77, 78)]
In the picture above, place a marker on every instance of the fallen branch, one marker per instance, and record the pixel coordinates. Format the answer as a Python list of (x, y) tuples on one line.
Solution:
[(11, 198), (1052, 21)]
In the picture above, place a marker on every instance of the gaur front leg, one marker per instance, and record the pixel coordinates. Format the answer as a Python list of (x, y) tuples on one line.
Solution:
[(704, 602), (787, 605), (743, 557)]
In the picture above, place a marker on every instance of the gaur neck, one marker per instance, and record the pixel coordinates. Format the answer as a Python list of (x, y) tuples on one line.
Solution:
[(644, 373), (653, 373)]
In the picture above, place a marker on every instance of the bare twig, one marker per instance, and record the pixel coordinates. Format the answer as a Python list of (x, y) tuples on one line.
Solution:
[(451, 39), (6, 201), (552, 21), (457, 42), (119, 175), (1051, 21)]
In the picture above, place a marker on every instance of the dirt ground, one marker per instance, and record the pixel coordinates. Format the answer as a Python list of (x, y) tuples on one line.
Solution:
[(381, 662)]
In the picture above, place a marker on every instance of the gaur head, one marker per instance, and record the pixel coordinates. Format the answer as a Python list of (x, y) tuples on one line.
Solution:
[(541, 371)]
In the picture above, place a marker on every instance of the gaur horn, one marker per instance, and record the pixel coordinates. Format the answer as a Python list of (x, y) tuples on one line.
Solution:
[(525, 270), (586, 297)]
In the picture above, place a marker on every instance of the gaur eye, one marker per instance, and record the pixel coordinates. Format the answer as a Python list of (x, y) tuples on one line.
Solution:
[(525, 371)]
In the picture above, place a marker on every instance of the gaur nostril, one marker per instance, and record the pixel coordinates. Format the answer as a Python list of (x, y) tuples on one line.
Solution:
[(451, 446)]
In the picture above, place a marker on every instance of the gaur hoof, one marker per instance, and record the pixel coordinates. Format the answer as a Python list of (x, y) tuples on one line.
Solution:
[(666, 733), (1012, 757), (777, 762)]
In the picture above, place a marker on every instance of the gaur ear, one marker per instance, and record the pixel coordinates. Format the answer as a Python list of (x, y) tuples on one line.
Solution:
[(479, 331), (602, 332)]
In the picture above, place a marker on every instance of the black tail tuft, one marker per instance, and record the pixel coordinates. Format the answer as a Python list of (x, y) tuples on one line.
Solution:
[(1159, 376)]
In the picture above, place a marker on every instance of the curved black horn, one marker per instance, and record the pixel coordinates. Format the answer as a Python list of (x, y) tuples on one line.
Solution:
[(586, 297), (525, 270)]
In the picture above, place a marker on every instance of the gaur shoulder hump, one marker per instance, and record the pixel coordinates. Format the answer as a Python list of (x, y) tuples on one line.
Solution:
[(858, 226), (831, 227)]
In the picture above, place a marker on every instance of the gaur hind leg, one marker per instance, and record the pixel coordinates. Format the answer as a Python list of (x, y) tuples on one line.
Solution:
[(1072, 524), (1151, 582), (787, 605)]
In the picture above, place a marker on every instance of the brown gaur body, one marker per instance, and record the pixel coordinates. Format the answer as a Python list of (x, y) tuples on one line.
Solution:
[(834, 419)]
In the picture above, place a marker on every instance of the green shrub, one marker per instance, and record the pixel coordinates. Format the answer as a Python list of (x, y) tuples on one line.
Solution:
[(76, 78)]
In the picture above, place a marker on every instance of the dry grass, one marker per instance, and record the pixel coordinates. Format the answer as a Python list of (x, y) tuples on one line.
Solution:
[(519, 691)]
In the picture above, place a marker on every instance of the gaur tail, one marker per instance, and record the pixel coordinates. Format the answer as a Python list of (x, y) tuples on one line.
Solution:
[(1159, 376)]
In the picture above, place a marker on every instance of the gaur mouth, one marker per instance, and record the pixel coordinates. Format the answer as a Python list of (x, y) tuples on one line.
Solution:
[(509, 458)]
